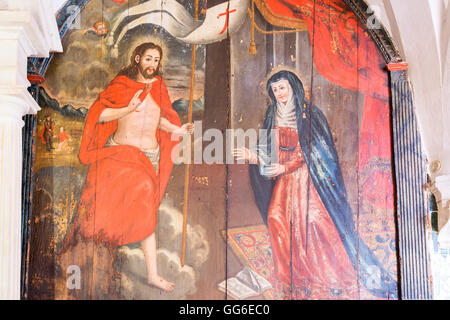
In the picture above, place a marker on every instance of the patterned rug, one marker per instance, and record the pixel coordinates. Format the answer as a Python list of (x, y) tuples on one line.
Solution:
[(252, 246)]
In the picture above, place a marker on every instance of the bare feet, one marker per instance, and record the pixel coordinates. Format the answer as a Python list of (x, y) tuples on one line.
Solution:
[(159, 282)]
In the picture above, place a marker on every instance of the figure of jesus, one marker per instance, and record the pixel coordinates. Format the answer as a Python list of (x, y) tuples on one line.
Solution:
[(129, 135)]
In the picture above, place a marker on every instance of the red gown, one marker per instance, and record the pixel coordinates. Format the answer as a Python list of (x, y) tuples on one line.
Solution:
[(122, 191), (320, 265), (62, 136)]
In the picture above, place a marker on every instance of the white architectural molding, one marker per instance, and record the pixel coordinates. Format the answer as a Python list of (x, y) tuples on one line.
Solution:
[(11, 111), (27, 29)]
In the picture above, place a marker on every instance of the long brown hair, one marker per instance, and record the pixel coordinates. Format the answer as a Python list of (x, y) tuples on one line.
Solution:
[(131, 71)]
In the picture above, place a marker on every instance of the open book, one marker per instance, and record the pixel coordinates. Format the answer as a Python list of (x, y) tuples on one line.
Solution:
[(247, 283)]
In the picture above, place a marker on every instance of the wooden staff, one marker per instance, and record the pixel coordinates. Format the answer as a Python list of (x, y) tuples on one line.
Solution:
[(186, 171)]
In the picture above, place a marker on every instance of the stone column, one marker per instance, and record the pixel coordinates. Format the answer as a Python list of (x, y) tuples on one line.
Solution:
[(27, 28)]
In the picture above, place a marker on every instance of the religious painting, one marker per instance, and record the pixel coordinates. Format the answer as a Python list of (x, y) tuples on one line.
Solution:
[(312, 208), (213, 150), (128, 72)]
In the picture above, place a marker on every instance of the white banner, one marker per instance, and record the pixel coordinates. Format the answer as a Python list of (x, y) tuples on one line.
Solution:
[(220, 21)]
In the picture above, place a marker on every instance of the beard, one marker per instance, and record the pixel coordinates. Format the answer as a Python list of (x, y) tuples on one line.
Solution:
[(146, 73)]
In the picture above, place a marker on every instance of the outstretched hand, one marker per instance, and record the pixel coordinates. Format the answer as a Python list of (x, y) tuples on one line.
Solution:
[(187, 128), (244, 154), (275, 170)]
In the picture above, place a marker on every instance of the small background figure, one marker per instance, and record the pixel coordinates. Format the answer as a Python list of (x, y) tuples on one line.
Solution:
[(64, 140), (47, 133), (98, 29)]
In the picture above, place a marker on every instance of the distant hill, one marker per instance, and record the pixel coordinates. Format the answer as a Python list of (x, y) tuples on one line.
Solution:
[(182, 105), (44, 100)]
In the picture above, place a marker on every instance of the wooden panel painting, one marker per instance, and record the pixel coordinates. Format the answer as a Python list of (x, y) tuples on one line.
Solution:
[(322, 218), (133, 196), (74, 164)]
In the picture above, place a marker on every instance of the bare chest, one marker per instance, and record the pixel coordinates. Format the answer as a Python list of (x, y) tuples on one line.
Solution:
[(146, 117)]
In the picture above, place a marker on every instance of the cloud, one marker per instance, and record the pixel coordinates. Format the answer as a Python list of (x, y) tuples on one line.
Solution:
[(131, 262), (169, 235), (133, 282), (81, 73), (85, 68)]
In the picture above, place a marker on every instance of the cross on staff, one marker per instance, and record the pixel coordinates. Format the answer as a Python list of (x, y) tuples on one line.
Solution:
[(186, 172)]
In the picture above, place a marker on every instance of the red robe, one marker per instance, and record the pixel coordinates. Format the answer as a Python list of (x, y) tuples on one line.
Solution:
[(310, 260), (122, 191), (62, 136)]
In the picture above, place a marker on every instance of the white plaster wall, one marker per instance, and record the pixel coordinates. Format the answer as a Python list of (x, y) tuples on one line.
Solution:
[(421, 31), (57, 4)]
